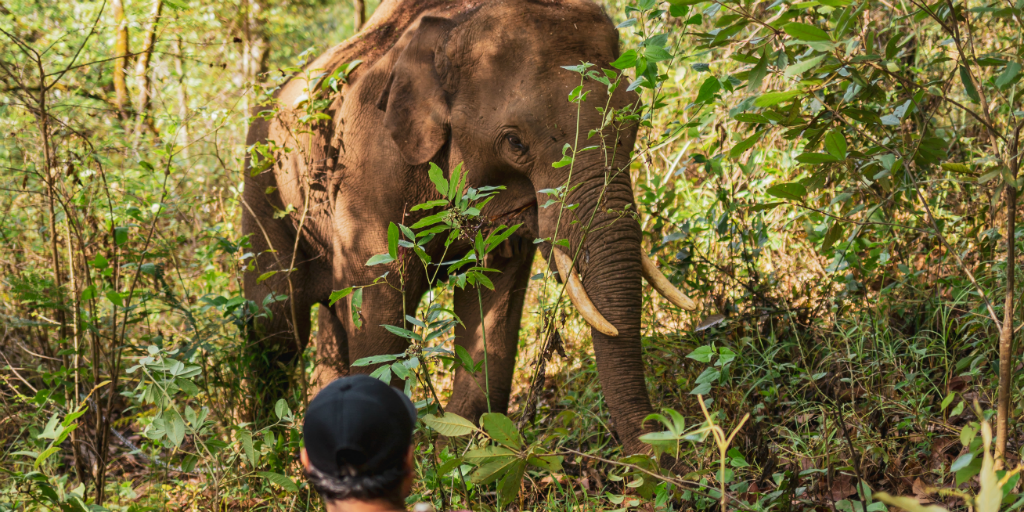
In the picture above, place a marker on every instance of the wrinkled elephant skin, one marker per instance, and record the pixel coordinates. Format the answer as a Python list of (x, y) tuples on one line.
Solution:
[(449, 82)]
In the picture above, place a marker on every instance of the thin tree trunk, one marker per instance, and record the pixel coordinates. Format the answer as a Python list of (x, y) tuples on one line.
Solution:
[(1006, 334), (142, 67), (51, 174), (121, 54), (359, 16), (254, 55), (179, 68)]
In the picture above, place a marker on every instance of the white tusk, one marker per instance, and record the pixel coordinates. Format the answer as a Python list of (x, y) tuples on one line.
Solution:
[(662, 284), (579, 296)]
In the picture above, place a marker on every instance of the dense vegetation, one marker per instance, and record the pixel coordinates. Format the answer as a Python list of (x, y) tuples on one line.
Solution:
[(835, 182)]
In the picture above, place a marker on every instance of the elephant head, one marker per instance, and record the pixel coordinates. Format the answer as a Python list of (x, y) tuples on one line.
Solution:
[(490, 81)]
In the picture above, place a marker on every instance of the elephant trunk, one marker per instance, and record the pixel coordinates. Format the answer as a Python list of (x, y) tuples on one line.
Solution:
[(609, 265)]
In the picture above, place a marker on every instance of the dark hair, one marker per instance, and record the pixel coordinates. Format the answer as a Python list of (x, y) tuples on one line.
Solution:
[(350, 484)]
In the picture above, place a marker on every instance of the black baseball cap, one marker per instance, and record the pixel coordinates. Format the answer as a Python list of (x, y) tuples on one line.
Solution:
[(361, 422)]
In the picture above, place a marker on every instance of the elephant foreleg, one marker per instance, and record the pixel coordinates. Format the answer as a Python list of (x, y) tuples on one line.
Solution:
[(502, 313), (331, 349), (382, 304)]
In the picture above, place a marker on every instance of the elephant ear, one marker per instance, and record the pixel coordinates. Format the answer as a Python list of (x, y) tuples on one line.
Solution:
[(415, 102)]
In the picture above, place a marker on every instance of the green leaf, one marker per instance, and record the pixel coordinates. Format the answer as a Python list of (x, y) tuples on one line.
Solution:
[(45, 455), (379, 259), (502, 430), (656, 54), (492, 471), (116, 298), (760, 207), (465, 359), (904, 503), (747, 143), (450, 424), (552, 463), (1008, 76), (429, 220), (338, 295), (508, 488), (803, 66), (281, 480), (429, 204), (499, 236), (177, 5), (481, 456), (892, 47), (400, 370), (405, 333), (447, 467), (264, 276), (946, 401), (835, 144), (758, 73), (382, 374), (478, 279), (702, 354), (834, 233), (965, 78), (176, 434), (962, 462), (805, 32), (774, 98), (282, 410), (815, 158), (958, 409), (383, 358), (708, 89), (393, 235), (793, 191), (746, 117), (245, 439), (626, 60), (956, 167), (437, 176), (990, 494), (120, 236)]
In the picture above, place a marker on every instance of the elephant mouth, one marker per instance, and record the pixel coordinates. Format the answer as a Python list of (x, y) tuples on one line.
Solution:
[(581, 300)]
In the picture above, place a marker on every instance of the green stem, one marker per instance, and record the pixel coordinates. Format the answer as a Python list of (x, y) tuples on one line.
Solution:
[(483, 333)]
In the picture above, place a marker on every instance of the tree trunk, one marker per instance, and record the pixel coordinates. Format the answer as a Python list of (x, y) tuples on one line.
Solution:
[(121, 54), (179, 68), (1006, 333), (254, 52), (359, 16), (142, 68)]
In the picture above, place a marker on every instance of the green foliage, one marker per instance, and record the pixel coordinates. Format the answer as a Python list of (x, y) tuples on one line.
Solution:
[(825, 176)]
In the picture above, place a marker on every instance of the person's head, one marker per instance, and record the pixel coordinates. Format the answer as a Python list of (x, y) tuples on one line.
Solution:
[(358, 441)]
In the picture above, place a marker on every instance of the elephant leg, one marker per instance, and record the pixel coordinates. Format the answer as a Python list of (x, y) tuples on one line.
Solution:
[(279, 331), (381, 305), (503, 311), (331, 349)]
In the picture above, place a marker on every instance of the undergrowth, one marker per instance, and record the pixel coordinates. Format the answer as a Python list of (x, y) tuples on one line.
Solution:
[(835, 181)]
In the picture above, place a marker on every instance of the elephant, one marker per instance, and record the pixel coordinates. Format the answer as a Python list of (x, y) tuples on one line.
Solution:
[(478, 82)]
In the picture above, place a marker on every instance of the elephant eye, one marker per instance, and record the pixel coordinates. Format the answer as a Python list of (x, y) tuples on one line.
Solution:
[(515, 142)]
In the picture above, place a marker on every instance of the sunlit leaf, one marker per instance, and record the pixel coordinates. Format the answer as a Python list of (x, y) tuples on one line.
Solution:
[(502, 430), (450, 424), (792, 191), (774, 98), (281, 480), (805, 32)]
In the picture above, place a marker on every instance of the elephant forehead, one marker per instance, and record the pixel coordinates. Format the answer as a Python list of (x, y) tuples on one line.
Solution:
[(524, 33)]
